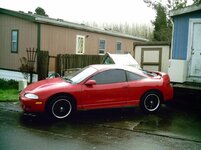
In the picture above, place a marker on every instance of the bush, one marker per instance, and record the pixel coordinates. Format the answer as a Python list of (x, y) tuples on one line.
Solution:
[(8, 84)]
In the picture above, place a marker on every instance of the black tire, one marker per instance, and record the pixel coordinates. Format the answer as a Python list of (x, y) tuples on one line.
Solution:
[(151, 101), (60, 107)]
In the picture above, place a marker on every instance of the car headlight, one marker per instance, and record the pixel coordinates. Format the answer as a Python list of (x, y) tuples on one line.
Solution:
[(31, 96)]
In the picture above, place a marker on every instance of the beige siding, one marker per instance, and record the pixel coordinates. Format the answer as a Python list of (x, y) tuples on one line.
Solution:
[(55, 39), (27, 39), (59, 40)]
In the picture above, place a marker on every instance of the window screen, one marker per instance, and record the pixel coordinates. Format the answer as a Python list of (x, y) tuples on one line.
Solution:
[(14, 41), (80, 44), (102, 47), (118, 47)]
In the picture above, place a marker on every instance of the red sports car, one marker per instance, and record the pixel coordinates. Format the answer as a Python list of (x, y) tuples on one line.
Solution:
[(97, 86)]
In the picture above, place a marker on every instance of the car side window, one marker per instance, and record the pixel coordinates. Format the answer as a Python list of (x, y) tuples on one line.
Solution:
[(133, 77), (110, 76)]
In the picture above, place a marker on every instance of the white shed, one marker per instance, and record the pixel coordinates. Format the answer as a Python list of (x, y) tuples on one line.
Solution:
[(152, 56)]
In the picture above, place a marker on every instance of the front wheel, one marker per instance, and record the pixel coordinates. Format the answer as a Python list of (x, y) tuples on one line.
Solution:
[(60, 107), (151, 101)]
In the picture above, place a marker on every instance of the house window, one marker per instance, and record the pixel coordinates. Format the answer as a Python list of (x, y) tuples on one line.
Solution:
[(14, 41), (102, 47), (118, 47), (80, 44)]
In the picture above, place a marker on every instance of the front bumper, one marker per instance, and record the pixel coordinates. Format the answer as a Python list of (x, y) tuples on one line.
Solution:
[(32, 106)]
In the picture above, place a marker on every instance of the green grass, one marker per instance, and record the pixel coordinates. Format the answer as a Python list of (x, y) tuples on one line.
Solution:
[(8, 84), (9, 95), (8, 90)]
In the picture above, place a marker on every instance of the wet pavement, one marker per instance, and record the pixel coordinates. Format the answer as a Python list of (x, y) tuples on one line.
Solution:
[(126, 129)]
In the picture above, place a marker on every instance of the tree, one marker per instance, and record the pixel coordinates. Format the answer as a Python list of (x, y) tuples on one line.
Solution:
[(162, 29), (40, 11), (162, 23), (170, 4), (141, 30), (176, 4), (196, 2)]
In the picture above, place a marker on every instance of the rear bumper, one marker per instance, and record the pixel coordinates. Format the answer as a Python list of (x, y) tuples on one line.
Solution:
[(168, 93)]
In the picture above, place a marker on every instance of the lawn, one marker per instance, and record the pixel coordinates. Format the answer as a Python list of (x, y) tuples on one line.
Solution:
[(9, 95), (8, 90)]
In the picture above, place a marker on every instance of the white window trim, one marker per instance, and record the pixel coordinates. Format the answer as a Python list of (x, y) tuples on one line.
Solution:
[(77, 47)]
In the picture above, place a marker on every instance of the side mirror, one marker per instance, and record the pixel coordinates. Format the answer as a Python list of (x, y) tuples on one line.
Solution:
[(90, 83)]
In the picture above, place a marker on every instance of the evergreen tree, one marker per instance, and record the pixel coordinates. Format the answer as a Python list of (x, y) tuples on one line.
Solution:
[(179, 4), (40, 11), (162, 23), (196, 2), (162, 28)]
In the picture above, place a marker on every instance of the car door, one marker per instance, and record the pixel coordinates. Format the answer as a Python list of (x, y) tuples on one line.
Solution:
[(110, 90), (136, 88)]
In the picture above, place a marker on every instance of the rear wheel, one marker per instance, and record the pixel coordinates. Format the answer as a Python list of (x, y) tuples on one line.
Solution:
[(60, 107), (151, 101)]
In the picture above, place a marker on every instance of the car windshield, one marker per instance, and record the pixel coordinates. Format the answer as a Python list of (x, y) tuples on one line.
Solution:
[(80, 75)]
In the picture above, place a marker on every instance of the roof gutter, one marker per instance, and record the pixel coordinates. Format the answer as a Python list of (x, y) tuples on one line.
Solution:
[(185, 10), (19, 14), (84, 28), (59, 22)]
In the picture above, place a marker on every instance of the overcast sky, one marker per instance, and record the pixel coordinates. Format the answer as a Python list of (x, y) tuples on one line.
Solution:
[(99, 11), (79, 11)]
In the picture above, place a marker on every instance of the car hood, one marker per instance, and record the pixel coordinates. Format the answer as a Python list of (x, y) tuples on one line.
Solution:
[(121, 59), (46, 84)]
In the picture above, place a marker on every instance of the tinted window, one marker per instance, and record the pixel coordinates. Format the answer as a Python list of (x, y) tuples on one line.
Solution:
[(133, 77), (80, 75), (110, 76)]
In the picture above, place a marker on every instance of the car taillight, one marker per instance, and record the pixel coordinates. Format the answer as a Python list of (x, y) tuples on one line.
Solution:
[(166, 79)]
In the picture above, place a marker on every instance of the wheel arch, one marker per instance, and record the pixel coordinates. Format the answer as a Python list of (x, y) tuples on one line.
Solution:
[(156, 91), (151, 106), (72, 99)]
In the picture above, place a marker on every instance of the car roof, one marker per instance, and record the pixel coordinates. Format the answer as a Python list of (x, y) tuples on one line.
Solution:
[(114, 66)]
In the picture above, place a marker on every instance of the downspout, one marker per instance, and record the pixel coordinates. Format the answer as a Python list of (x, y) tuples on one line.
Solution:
[(38, 36), (38, 45)]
